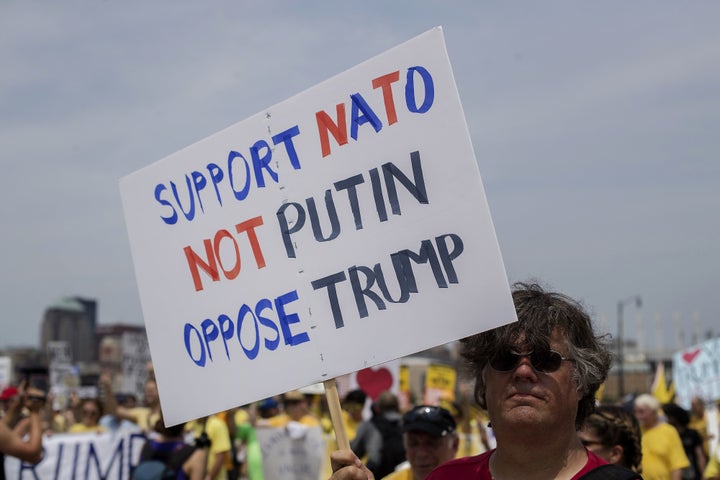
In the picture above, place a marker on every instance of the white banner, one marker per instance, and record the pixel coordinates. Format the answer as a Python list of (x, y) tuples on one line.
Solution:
[(296, 452), (106, 456), (696, 373)]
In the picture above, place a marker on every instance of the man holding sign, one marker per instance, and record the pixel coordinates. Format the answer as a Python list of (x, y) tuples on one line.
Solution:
[(537, 379)]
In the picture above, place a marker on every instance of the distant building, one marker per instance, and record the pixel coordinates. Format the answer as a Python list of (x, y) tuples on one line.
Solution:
[(72, 320)]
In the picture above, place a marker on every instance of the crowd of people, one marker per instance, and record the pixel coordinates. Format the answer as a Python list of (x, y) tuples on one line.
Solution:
[(535, 416)]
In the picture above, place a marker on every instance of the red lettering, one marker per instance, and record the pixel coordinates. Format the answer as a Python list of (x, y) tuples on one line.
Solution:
[(339, 130), (209, 267), (384, 83), (249, 227), (209, 264)]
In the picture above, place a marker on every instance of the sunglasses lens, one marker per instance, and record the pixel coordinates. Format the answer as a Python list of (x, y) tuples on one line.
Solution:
[(546, 361), (504, 361)]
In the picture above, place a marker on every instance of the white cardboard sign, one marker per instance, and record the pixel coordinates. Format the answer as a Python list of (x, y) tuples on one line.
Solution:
[(342, 228)]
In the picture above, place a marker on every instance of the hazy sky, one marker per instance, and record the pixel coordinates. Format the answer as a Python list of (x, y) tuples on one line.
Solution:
[(595, 126)]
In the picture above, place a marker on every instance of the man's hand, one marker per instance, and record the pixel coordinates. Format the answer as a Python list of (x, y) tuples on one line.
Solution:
[(347, 466)]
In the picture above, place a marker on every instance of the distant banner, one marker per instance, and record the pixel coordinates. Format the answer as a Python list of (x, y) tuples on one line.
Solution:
[(696, 373), (295, 452), (64, 376), (439, 384), (106, 456), (5, 371), (136, 355)]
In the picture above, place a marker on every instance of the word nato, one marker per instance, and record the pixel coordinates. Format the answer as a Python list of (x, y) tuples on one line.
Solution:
[(200, 185)]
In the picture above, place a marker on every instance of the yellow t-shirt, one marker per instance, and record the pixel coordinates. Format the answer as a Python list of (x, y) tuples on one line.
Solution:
[(404, 474), (699, 424), (82, 428), (217, 431), (662, 452), (145, 418), (279, 421), (712, 470)]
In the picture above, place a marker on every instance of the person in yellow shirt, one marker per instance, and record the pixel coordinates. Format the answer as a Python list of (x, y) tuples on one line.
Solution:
[(698, 422), (91, 411), (297, 410), (712, 470), (217, 432), (430, 438), (663, 455), (353, 405)]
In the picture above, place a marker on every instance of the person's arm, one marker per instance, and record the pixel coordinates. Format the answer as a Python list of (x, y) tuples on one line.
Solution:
[(700, 457), (373, 448), (347, 466), (216, 465), (13, 444), (194, 467), (106, 394)]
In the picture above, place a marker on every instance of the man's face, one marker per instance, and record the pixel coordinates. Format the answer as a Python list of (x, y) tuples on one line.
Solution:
[(425, 452), (646, 417), (523, 398), (151, 393)]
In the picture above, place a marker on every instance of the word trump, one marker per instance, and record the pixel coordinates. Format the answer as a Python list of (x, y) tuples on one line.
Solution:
[(370, 283)]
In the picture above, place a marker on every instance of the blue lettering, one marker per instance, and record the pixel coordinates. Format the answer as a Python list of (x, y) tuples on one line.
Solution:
[(198, 341), (232, 177), (410, 90)]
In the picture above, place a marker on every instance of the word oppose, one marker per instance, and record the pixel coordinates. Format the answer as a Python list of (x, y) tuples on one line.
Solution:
[(249, 324)]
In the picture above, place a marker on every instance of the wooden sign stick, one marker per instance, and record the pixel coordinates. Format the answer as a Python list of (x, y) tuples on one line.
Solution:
[(333, 401)]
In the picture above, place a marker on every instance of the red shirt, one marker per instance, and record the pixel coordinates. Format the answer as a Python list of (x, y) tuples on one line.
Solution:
[(478, 467)]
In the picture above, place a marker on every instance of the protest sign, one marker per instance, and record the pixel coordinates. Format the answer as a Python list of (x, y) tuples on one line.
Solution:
[(64, 376), (696, 373), (342, 228), (82, 456), (5, 372), (135, 358), (295, 452), (439, 384)]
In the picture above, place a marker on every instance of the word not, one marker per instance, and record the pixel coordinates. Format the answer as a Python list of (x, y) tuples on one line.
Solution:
[(213, 258), (391, 174), (261, 154), (198, 341), (438, 255), (361, 112)]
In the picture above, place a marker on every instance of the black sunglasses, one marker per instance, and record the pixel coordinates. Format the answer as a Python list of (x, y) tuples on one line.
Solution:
[(545, 361)]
